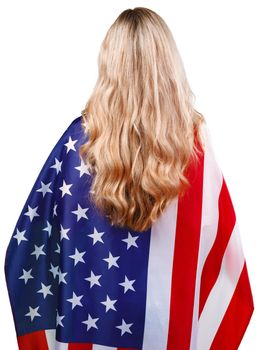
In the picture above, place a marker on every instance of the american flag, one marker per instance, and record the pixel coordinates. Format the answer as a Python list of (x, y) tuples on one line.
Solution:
[(76, 282)]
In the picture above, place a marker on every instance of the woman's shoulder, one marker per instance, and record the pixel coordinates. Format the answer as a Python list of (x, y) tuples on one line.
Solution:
[(76, 126), (75, 132)]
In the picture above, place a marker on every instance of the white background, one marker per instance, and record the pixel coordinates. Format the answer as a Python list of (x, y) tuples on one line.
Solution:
[(48, 68)]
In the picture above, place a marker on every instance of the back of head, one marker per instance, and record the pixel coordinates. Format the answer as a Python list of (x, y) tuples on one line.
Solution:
[(141, 124)]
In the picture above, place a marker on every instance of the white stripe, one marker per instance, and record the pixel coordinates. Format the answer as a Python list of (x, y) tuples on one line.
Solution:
[(212, 183), (159, 280), (61, 346), (50, 337), (222, 292), (53, 344)]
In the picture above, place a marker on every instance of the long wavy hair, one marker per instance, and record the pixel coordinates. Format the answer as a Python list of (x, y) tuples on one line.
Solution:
[(140, 121)]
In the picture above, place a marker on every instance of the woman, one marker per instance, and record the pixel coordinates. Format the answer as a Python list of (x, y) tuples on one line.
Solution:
[(128, 239)]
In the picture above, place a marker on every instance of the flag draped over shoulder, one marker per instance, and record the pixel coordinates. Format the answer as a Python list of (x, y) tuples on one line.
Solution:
[(77, 282)]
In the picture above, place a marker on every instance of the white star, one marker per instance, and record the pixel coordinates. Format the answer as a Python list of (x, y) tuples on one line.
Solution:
[(33, 312), (20, 236), (57, 165), (80, 212), (70, 145), (93, 279), (112, 260), (26, 275), (44, 188), (38, 251), (91, 322), (109, 304), (82, 168), (54, 210), (130, 240), (59, 320), (124, 327), (63, 233), (75, 300), (78, 257), (31, 212), (45, 290), (127, 284), (58, 248), (54, 270), (65, 189), (61, 277), (96, 236), (48, 228)]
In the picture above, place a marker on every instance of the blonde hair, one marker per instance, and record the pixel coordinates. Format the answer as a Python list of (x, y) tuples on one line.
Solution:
[(140, 122)]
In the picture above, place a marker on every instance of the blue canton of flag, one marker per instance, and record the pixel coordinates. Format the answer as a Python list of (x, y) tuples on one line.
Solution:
[(67, 268)]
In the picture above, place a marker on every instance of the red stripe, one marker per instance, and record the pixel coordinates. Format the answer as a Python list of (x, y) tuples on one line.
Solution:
[(186, 248), (80, 346), (237, 316), (226, 223), (32, 341)]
